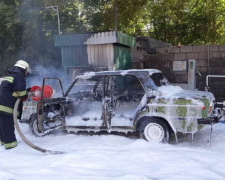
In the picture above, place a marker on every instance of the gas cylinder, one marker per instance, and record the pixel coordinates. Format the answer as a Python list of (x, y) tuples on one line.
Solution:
[(36, 90)]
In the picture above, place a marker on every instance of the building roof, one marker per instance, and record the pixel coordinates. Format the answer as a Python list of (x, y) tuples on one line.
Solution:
[(110, 37)]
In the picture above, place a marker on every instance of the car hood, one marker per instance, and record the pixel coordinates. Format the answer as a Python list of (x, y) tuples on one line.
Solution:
[(174, 92)]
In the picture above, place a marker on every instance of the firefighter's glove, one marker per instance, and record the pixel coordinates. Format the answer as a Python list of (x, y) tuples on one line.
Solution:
[(28, 89)]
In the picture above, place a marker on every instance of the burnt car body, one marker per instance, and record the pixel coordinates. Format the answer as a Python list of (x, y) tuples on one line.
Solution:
[(124, 101)]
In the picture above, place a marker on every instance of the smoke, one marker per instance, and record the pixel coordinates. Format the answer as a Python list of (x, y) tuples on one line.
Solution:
[(40, 72), (38, 29)]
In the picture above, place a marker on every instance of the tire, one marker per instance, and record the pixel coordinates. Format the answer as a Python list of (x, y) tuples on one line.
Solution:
[(154, 130), (33, 125)]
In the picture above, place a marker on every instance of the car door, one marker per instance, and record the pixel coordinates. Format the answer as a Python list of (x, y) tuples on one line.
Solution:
[(126, 98), (86, 94), (51, 88), (107, 101)]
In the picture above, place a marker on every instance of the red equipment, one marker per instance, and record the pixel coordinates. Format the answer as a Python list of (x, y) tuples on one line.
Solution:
[(47, 93)]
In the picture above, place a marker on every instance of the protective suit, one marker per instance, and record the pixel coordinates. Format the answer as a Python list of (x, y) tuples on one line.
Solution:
[(12, 87)]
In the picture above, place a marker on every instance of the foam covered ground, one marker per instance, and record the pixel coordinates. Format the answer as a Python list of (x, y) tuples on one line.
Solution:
[(116, 156)]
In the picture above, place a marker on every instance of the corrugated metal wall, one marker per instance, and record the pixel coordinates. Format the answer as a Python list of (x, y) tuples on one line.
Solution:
[(74, 56), (122, 57), (72, 39), (125, 39), (103, 49), (101, 55)]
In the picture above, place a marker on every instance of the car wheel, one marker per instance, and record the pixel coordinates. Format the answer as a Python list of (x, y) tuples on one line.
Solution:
[(154, 130), (33, 125)]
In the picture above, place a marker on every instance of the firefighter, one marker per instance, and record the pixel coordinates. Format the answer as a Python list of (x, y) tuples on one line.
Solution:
[(12, 87)]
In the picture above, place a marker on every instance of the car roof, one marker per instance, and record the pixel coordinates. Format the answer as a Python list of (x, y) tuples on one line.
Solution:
[(119, 72)]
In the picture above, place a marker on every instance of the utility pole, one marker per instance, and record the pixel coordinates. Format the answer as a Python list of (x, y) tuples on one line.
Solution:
[(56, 9), (115, 14)]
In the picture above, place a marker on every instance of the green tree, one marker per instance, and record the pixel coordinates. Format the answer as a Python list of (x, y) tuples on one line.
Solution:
[(27, 28), (10, 33), (100, 15), (187, 22)]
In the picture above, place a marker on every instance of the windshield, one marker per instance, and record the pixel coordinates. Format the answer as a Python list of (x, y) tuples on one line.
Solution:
[(159, 79)]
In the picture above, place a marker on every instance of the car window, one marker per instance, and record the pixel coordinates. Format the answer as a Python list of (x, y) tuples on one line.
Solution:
[(128, 85), (159, 79), (133, 83), (54, 84), (125, 100), (87, 88)]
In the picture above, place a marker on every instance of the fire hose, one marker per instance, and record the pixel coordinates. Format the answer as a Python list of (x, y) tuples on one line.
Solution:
[(25, 139)]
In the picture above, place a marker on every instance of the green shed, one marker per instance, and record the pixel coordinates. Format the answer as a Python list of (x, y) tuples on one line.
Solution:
[(95, 51)]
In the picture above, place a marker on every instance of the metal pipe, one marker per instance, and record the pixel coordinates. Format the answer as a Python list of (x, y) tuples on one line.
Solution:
[(207, 83), (207, 78), (56, 9), (59, 31), (208, 59)]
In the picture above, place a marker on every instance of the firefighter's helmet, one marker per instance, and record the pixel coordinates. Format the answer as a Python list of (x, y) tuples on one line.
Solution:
[(22, 64)]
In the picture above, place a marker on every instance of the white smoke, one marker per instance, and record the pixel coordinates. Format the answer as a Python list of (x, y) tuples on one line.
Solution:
[(40, 72)]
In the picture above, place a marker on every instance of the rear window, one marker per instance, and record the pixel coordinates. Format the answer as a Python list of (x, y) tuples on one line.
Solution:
[(159, 79)]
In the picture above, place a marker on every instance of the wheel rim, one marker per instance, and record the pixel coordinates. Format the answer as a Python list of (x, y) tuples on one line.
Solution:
[(35, 129), (154, 132)]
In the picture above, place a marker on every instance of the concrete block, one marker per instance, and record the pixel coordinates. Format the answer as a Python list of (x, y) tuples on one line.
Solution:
[(162, 50), (218, 86), (223, 72), (216, 71), (173, 49), (186, 49), (183, 78), (201, 86), (166, 64), (158, 64), (180, 56), (215, 84), (213, 80), (176, 79), (136, 65), (146, 58), (167, 71), (199, 48), (201, 63), (222, 47), (155, 57), (202, 55), (216, 55), (203, 70), (149, 64), (221, 62), (210, 54), (222, 85), (167, 56), (192, 55), (216, 92), (214, 63), (222, 93), (198, 78), (222, 54), (213, 48)]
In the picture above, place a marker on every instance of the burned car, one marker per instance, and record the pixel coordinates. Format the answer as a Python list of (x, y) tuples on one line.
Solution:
[(140, 101)]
